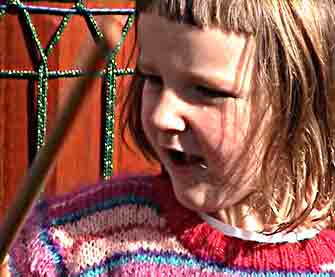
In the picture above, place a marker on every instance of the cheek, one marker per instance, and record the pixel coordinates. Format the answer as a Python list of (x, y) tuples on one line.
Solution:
[(223, 128), (235, 123)]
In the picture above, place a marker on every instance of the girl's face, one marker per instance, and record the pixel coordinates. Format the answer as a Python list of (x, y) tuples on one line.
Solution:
[(196, 108)]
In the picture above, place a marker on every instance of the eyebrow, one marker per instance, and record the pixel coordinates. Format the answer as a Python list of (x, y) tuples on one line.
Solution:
[(206, 79)]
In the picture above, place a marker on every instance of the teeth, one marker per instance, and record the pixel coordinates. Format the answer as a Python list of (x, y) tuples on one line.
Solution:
[(182, 157), (204, 166)]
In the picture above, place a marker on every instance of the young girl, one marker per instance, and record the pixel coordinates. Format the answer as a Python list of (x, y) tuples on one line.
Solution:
[(234, 99)]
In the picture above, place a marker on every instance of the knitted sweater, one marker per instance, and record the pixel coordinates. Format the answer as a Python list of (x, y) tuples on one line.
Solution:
[(135, 227)]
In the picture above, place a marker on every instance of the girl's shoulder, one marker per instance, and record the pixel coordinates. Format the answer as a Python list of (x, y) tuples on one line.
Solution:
[(83, 228), (107, 194)]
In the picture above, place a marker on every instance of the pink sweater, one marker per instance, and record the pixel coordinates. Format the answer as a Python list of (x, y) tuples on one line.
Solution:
[(135, 227)]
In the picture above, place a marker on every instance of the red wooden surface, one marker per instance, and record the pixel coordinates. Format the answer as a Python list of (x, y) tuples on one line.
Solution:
[(79, 160)]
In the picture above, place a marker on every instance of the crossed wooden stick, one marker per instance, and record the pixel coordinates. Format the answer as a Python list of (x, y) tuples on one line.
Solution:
[(33, 181)]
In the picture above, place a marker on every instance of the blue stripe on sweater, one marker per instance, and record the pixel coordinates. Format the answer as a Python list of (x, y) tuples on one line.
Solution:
[(105, 205), (53, 250), (12, 268), (47, 241), (171, 259)]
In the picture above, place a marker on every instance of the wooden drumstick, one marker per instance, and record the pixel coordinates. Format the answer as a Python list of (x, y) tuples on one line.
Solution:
[(33, 181)]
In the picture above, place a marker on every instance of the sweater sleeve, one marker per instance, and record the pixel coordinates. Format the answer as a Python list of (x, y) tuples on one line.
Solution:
[(4, 268), (30, 254), (62, 233)]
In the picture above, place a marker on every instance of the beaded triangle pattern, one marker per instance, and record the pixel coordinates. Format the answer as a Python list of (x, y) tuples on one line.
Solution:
[(42, 75)]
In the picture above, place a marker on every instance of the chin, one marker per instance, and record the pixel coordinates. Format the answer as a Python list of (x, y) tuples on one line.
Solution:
[(197, 203), (201, 198)]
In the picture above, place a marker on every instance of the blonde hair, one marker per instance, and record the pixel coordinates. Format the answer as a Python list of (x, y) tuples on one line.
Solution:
[(294, 70)]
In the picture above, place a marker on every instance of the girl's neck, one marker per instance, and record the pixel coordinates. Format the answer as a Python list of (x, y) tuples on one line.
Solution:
[(244, 217)]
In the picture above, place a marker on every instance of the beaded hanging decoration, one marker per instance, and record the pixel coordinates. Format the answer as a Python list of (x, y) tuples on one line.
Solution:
[(42, 75)]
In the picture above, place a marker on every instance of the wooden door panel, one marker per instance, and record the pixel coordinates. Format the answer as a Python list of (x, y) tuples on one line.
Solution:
[(80, 160)]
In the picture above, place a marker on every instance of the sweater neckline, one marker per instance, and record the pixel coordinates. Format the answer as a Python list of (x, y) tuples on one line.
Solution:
[(246, 235), (206, 242)]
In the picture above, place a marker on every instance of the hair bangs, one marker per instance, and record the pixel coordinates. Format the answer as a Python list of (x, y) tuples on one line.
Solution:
[(235, 15)]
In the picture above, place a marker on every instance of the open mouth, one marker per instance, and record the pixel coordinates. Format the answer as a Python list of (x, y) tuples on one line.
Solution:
[(184, 159)]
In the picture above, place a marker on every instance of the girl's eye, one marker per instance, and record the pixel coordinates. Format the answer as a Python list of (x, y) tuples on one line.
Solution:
[(214, 94), (151, 79)]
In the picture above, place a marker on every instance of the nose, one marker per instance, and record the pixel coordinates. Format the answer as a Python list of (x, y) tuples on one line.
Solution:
[(169, 113)]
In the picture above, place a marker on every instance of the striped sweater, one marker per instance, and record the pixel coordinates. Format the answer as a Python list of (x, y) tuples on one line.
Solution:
[(135, 227)]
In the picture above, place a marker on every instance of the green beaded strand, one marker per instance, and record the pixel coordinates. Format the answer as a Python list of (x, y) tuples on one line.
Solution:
[(72, 73), (110, 120), (56, 37), (43, 75), (42, 104), (110, 103), (18, 74), (2, 13), (124, 33), (92, 24), (42, 86)]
